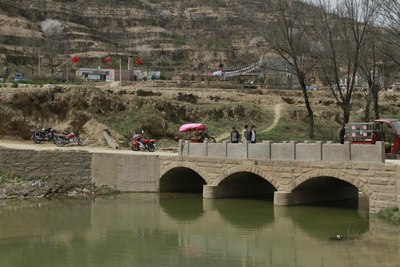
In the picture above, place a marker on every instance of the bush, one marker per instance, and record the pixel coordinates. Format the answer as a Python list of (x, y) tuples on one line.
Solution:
[(391, 215)]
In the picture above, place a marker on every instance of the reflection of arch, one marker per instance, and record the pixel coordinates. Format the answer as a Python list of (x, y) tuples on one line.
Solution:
[(248, 169), (181, 179), (181, 207), (323, 222), (245, 213), (336, 174)]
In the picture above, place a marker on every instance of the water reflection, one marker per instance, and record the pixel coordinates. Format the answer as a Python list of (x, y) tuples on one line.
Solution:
[(243, 213), (181, 207), (186, 230), (323, 222)]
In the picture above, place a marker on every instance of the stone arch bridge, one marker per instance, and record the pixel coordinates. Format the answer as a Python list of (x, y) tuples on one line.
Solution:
[(287, 173)]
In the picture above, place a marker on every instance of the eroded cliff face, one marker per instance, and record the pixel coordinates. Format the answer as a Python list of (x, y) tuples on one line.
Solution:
[(158, 111)]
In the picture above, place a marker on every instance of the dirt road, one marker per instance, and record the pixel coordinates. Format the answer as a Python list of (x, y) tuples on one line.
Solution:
[(17, 144)]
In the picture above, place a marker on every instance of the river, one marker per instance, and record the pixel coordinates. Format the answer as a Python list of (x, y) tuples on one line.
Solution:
[(171, 229)]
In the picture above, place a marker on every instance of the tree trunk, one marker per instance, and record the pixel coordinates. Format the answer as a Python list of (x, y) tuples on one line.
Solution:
[(368, 100), (346, 113), (309, 109), (376, 102)]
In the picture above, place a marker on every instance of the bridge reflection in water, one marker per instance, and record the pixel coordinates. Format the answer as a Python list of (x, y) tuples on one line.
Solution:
[(173, 228)]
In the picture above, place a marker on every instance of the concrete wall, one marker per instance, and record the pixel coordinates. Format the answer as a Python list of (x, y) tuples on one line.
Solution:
[(75, 165), (329, 151), (126, 173)]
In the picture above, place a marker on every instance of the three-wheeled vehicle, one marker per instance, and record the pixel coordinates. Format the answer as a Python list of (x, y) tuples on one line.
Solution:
[(196, 132), (386, 130)]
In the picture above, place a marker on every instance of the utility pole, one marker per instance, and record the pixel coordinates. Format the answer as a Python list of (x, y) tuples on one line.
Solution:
[(120, 71)]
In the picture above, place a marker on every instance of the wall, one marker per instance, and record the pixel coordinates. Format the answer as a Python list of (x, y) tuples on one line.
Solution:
[(75, 165), (127, 173)]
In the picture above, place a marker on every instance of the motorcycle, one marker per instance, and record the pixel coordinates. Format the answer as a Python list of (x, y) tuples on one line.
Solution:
[(143, 144), (69, 138), (41, 134)]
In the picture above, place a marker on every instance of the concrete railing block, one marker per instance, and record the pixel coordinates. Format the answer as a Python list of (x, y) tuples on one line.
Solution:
[(237, 151), (368, 152), (283, 151), (216, 150), (336, 152), (197, 150), (260, 151), (309, 151)]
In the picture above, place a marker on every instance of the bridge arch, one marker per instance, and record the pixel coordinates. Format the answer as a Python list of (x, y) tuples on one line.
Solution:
[(245, 182), (329, 185), (335, 174), (181, 179), (247, 169)]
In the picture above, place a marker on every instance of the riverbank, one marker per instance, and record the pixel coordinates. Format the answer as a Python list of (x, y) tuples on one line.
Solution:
[(15, 186), (391, 215)]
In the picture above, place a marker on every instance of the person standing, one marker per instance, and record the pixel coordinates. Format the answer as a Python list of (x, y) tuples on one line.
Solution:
[(245, 134), (253, 138), (234, 135)]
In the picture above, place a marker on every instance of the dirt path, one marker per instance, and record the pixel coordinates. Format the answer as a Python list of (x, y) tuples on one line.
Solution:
[(18, 144), (277, 117)]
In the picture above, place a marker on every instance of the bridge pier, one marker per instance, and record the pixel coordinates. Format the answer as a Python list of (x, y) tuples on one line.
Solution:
[(220, 191)]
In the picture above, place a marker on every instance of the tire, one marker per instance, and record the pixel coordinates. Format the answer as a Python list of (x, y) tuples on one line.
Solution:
[(57, 140), (151, 148), (36, 140), (81, 142), (135, 148)]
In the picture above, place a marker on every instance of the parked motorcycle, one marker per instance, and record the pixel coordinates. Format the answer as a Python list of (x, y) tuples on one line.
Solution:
[(143, 144), (69, 138), (41, 134)]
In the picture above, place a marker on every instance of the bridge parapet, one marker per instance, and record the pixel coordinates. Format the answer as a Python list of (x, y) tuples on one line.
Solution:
[(306, 151)]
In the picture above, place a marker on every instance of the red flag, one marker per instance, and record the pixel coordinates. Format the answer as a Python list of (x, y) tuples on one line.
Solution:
[(75, 59), (108, 59), (139, 61)]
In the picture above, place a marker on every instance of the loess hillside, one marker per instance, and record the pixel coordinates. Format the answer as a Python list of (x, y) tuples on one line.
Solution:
[(172, 33), (160, 110)]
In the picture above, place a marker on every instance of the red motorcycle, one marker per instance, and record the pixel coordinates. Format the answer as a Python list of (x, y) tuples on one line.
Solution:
[(68, 138), (143, 144)]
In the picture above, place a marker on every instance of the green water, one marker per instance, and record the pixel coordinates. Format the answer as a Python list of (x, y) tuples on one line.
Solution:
[(185, 230)]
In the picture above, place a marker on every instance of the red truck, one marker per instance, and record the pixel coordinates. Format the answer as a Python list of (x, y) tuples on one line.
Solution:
[(386, 130)]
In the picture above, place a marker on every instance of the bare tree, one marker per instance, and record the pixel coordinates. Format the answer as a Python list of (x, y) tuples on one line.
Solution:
[(343, 35), (290, 38), (372, 69), (390, 11), (282, 34), (33, 49), (54, 44)]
